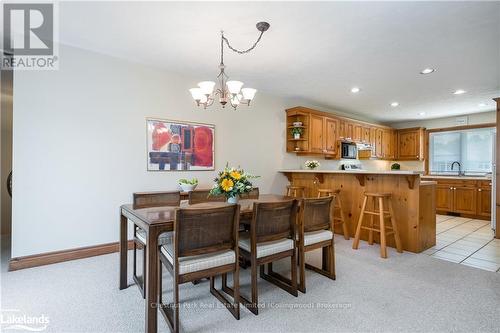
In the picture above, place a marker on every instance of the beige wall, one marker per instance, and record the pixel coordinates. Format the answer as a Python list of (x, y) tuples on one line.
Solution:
[(473, 119), (5, 150)]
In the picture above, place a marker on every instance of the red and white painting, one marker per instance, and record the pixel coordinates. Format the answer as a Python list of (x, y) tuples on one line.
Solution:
[(182, 146)]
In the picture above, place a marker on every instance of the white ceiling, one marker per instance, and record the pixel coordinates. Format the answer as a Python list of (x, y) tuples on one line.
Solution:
[(316, 51)]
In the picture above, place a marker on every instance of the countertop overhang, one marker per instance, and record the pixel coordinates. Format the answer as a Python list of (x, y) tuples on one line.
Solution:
[(362, 172)]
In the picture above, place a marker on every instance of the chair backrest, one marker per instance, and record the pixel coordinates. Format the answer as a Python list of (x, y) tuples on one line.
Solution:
[(201, 196), (253, 194), (273, 220), (203, 231), (156, 199), (315, 213)]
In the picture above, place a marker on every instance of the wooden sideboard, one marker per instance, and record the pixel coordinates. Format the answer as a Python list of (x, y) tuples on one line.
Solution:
[(322, 133)]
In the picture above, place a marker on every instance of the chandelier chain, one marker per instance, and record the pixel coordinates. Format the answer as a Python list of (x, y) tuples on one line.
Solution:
[(242, 51)]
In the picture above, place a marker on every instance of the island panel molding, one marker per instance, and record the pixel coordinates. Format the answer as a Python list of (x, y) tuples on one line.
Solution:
[(414, 200)]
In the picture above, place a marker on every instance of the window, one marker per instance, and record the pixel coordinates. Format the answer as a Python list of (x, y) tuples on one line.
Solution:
[(472, 148)]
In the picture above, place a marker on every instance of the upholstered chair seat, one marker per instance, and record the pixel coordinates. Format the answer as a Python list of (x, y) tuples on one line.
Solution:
[(265, 249), (314, 237), (199, 262), (164, 238)]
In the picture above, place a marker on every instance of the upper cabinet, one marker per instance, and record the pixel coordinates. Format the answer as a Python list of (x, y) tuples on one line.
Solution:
[(410, 144), (311, 132)]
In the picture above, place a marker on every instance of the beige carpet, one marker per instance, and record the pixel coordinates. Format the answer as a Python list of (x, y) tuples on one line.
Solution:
[(405, 293)]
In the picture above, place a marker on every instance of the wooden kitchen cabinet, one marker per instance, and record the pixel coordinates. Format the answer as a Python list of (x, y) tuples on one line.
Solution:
[(316, 141), (471, 198), (322, 132), (484, 199), (358, 133), (410, 144), (388, 151), (444, 198), (464, 200), (331, 129)]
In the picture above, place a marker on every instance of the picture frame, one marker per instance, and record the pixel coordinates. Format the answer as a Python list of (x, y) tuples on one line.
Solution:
[(175, 145)]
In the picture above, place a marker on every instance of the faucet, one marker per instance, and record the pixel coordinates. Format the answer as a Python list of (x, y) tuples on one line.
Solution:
[(459, 168)]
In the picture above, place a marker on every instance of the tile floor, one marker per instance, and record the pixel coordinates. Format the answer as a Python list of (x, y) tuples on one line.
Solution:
[(466, 241)]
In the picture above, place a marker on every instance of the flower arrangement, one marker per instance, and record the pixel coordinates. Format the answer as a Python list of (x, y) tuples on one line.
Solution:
[(312, 164), (231, 182)]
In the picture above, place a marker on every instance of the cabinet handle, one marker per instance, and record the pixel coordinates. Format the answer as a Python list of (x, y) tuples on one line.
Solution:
[(451, 188), (479, 190)]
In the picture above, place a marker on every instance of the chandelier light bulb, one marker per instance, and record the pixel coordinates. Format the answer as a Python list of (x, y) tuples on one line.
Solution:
[(248, 93), (196, 93), (234, 87), (207, 87)]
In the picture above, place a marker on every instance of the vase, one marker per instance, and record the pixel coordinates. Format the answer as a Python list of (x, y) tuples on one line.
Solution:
[(233, 200), (296, 136)]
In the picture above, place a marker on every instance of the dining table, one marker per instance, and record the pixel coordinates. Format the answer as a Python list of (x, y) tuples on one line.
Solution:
[(155, 221)]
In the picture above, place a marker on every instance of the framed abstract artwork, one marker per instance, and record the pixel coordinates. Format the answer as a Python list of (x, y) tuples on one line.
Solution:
[(180, 146)]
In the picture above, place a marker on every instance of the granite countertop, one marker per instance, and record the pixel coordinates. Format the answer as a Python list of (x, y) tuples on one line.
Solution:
[(365, 172)]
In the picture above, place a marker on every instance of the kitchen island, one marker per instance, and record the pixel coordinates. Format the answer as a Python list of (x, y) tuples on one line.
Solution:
[(413, 200)]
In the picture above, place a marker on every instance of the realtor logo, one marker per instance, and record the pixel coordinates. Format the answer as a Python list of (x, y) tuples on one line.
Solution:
[(28, 36)]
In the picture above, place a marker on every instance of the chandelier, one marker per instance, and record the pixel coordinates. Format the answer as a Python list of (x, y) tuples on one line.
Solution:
[(227, 91)]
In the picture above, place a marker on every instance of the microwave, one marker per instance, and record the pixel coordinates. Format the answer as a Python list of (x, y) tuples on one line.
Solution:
[(348, 150)]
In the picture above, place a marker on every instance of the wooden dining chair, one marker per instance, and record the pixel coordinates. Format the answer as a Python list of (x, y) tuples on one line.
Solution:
[(271, 238), (146, 200), (204, 245), (200, 196), (315, 231)]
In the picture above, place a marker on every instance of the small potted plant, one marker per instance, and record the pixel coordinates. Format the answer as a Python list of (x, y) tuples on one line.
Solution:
[(296, 132), (395, 166), (311, 165), (188, 185)]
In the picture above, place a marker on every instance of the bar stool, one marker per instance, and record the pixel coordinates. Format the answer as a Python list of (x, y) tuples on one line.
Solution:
[(297, 191), (337, 220), (382, 214)]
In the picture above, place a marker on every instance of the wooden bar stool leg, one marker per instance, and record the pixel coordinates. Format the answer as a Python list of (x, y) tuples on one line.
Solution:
[(399, 246), (342, 217), (355, 244), (383, 245)]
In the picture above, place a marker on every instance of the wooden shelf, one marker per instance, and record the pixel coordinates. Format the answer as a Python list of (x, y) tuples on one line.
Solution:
[(297, 139), (296, 127)]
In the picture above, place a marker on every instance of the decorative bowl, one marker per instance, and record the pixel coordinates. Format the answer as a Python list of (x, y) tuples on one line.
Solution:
[(188, 187), (297, 123)]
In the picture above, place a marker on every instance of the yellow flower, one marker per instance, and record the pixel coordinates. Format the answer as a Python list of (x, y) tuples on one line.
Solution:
[(227, 184), (235, 174)]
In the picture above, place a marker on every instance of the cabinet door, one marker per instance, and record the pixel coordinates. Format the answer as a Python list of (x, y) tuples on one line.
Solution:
[(409, 145), (373, 141), (349, 131), (378, 143), (484, 201), (464, 200), (388, 144), (316, 134), (366, 135), (331, 135), (342, 129), (358, 133), (444, 198)]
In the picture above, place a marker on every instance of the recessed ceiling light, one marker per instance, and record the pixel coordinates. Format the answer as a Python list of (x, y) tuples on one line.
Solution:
[(355, 90), (427, 71), (459, 92), (394, 104), (421, 113), (482, 105)]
